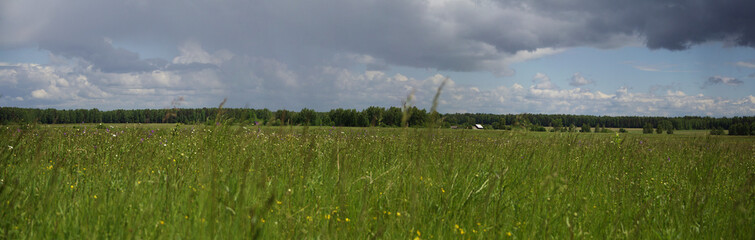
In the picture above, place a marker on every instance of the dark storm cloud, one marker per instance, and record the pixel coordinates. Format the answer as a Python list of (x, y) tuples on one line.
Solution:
[(449, 35), (668, 24), (102, 55), (715, 80)]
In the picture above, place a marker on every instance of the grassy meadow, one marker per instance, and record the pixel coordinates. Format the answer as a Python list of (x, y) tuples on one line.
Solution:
[(229, 182)]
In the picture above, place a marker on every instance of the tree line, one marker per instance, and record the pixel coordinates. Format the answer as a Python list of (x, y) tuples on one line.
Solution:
[(371, 116)]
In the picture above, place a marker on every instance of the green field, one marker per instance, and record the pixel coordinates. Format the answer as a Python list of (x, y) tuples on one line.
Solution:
[(189, 182)]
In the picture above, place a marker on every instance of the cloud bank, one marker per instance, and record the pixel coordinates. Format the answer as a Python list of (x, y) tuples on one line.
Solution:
[(440, 34), (286, 54), (275, 85), (715, 80), (578, 80)]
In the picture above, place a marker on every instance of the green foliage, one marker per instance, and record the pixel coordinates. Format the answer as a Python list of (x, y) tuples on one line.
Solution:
[(307, 117), (275, 122), (347, 117), (371, 116), (622, 130), (648, 128), (417, 117), (176, 181), (537, 128), (393, 117), (717, 131), (283, 117), (585, 128), (374, 115), (739, 129), (665, 125), (557, 125)]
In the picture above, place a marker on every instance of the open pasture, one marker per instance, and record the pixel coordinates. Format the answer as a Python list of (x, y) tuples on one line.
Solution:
[(176, 181)]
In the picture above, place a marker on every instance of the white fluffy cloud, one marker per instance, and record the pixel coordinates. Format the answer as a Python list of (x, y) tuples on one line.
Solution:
[(517, 99), (67, 86), (55, 83), (192, 52), (745, 64), (578, 80), (543, 82), (71, 83)]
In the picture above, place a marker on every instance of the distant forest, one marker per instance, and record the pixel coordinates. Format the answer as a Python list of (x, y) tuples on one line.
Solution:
[(371, 116)]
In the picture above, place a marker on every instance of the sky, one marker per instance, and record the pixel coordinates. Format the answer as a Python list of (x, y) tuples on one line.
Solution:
[(593, 57)]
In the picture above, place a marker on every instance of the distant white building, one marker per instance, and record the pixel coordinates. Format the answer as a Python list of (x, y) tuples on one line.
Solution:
[(478, 126)]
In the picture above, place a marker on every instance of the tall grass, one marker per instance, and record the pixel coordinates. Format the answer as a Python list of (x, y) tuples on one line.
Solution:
[(223, 182)]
